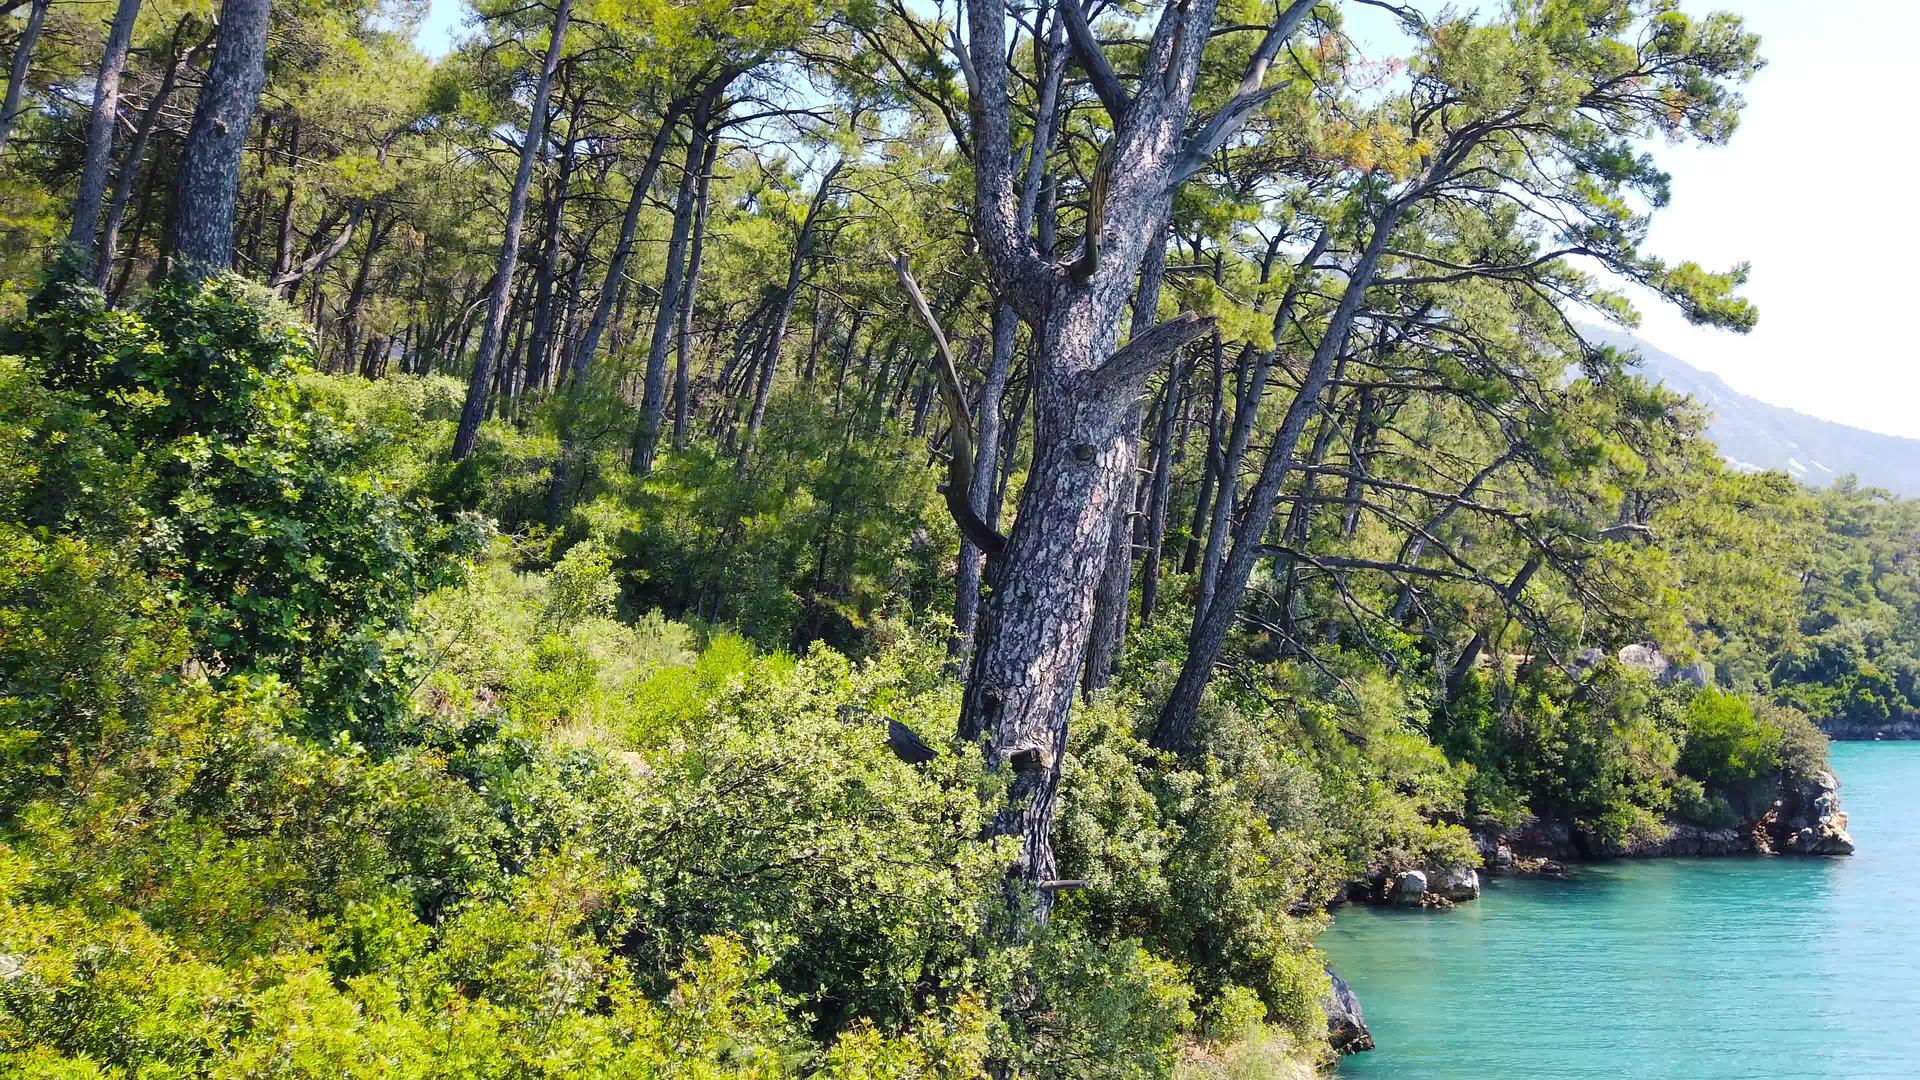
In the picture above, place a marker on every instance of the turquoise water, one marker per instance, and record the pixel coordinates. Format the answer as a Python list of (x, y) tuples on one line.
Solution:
[(1702, 968)]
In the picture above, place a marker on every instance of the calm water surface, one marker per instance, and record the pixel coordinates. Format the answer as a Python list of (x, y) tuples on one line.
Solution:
[(1705, 968)]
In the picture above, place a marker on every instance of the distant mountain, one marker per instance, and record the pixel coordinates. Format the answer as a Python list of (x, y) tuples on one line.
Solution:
[(1752, 434)]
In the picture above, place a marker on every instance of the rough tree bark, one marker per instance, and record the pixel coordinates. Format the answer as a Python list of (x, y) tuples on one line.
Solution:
[(1036, 622), (1050, 59), (1110, 601), (209, 178)]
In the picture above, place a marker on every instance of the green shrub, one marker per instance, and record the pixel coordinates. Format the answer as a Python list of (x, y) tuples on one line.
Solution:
[(1802, 747), (1097, 1010), (1727, 746), (258, 515)]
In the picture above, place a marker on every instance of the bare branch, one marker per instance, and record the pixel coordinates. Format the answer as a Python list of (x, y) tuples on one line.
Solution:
[(960, 463)]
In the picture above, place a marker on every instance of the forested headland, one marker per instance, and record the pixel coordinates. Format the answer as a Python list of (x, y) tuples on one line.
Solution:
[(845, 539)]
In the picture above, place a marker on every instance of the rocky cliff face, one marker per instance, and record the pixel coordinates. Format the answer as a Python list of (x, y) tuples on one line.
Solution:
[(1808, 819), (1800, 816)]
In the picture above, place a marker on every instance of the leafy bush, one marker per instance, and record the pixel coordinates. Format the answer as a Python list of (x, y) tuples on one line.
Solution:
[(1727, 746), (256, 511), (1802, 747)]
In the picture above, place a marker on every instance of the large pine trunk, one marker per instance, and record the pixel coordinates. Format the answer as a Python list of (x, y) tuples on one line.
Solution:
[(1039, 614), (209, 178)]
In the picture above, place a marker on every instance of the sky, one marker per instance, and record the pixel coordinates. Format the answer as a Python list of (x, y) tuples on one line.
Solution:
[(1800, 193), (444, 20)]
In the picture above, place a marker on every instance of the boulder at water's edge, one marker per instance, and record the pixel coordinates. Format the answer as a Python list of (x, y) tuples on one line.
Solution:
[(1346, 1027)]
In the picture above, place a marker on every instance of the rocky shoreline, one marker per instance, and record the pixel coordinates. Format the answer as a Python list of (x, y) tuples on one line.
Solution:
[(1803, 817), (1898, 729)]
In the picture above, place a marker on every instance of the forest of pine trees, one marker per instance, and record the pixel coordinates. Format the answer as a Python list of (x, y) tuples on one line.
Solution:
[(845, 537)]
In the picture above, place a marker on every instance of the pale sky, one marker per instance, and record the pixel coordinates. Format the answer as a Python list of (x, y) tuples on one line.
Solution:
[(1800, 194)]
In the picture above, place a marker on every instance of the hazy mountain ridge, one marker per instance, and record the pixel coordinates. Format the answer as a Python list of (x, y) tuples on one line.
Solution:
[(1753, 434)]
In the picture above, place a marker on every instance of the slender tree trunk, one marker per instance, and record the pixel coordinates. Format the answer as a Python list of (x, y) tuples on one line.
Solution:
[(802, 251), (683, 351), (481, 383), (1469, 656), (550, 364), (922, 401), (846, 358), (100, 125), (544, 274), (614, 283), (1212, 623), (984, 490), (811, 370), (209, 179), (1298, 528), (141, 216), (653, 393), (1250, 389), (10, 109), (510, 367), (1210, 479), (377, 233), (1010, 437), (1157, 493), (283, 243), (109, 248), (1116, 586)]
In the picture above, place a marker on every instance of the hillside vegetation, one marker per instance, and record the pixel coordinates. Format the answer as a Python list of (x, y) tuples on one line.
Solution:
[(755, 541)]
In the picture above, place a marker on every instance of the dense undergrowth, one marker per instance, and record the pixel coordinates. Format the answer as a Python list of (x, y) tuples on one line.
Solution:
[(323, 758)]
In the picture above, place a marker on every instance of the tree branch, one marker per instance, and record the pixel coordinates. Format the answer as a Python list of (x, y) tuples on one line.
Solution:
[(1106, 83), (1151, 347), (1249, 95), (960, 463)]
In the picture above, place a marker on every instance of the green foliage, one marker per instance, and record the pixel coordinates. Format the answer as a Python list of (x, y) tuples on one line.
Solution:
[(1727, 746), (207, 886), (83, 642), (1099, 1011), (1600, 754), (827, 529), (256, 512)]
